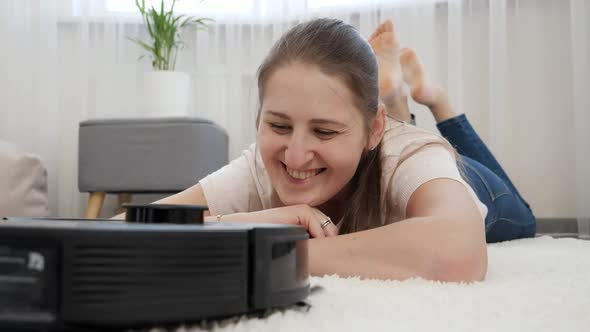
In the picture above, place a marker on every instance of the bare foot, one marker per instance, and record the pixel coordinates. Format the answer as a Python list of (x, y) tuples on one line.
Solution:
[(386, 48), (421, 89)]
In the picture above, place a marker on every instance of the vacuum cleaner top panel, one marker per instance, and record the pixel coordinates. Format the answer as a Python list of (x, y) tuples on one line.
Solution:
[(85, 225)]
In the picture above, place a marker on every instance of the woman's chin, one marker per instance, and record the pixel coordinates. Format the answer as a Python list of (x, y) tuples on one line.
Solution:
[(289, 200)]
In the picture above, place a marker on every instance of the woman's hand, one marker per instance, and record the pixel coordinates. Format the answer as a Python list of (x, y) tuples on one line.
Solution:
[(303, 215)]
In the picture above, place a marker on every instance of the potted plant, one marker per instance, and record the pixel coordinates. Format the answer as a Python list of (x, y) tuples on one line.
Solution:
[(166, 91)]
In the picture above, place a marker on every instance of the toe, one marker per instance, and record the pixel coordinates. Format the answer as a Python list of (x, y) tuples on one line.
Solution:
[(408, 57), (386, 26)]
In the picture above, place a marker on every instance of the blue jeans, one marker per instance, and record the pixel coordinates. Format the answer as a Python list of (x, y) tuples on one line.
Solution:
[(509, 215)]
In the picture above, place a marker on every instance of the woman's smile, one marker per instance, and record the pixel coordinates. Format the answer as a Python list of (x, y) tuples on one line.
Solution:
[(301, 177)]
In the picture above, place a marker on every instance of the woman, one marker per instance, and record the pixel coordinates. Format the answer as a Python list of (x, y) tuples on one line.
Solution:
[(328, 149)]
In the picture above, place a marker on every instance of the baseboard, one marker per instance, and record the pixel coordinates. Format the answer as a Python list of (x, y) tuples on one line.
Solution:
[(558, 227)]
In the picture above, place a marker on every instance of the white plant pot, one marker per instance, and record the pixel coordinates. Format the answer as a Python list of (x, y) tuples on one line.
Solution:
[(166, 93)]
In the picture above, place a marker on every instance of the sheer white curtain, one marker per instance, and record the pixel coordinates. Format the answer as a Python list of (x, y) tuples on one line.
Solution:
[(518, 68)]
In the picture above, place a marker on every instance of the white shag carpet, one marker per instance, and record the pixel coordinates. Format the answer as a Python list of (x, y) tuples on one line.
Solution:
[(540, 284)]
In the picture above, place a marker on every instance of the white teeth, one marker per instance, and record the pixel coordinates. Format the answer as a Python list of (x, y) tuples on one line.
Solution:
[(302, 175)]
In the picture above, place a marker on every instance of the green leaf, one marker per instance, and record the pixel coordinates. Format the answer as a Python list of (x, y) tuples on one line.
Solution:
[(142, 44), (142, 7), (164, 29)]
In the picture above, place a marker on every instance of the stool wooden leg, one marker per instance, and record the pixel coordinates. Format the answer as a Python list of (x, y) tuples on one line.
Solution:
[(95, 201), (122, 198)]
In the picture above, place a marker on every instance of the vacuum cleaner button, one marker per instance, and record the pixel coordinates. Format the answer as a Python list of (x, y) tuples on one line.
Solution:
[(164, 213)]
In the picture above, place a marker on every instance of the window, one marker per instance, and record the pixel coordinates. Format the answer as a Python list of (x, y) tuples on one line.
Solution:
[(201, 8)]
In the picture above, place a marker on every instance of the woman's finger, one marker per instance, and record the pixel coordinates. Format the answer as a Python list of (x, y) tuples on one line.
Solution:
[(328, 229), (314, 228), (331, 229)]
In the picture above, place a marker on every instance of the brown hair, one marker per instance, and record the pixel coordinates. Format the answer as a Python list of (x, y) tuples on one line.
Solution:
[(337, 49)]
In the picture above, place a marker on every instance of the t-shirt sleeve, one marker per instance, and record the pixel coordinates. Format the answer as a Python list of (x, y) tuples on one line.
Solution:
[(432, 162), (232, 189)]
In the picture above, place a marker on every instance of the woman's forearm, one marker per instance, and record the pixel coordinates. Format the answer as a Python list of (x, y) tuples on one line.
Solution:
[(435, 249)]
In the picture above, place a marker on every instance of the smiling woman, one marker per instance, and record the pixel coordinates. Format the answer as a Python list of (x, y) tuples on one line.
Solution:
[(332, 145), (303, 152)]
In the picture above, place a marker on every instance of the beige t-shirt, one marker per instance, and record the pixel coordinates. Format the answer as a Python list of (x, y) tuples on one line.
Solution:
[(244, 184)]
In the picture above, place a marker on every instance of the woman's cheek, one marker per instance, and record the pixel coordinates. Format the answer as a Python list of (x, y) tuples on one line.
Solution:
[(269, 145)]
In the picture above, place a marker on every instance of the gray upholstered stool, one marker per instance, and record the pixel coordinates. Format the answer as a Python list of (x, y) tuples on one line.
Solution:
[(153, 155)]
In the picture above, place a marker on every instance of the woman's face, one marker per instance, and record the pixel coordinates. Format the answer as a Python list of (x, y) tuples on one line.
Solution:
[(310, 135)]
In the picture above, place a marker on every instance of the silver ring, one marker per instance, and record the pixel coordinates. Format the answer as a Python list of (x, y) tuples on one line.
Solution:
[(326, 222)]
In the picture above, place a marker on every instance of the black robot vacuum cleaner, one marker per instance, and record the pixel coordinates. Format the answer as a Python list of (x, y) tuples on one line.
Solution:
[(163, 265)]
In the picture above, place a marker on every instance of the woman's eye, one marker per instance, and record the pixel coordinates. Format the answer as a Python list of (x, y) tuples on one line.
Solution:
[(279, 128), (325, 133)]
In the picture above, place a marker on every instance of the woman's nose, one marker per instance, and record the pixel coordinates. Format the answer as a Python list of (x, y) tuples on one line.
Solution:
[(298, 154)]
